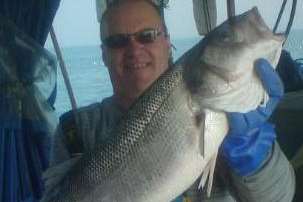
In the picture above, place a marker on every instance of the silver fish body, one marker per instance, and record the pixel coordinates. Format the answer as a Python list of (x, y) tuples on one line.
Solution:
[(157, 152)]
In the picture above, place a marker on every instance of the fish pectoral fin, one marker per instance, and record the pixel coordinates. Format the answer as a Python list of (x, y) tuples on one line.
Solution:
[(208, 174), (200, 124)]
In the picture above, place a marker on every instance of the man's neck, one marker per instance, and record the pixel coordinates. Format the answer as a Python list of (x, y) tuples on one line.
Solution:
[(123, 102)]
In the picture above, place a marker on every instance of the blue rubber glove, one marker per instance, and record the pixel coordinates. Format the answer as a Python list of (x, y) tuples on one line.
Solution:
[(250, 137)]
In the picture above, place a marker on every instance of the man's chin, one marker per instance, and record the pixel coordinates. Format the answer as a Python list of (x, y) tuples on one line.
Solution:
[(136, 92)]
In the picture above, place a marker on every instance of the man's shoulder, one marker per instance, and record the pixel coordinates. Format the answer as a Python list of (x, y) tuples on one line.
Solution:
[(73, 120), (70, 115), (86, 115), (75, 124)]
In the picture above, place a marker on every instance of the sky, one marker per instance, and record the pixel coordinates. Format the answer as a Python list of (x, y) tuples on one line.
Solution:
[(76, 23)]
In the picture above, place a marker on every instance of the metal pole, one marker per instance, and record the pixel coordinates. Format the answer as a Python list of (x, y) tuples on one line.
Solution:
[(279, 16), (63, 69), (291, 17), (231, 8)]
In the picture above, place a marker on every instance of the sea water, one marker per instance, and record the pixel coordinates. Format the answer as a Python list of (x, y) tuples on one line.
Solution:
[(90, 80)]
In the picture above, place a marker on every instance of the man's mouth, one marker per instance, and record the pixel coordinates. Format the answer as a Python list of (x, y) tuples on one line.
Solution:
[(137, 66)]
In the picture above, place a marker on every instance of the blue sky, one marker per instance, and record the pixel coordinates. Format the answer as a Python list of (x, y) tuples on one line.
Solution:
[(76, 24)]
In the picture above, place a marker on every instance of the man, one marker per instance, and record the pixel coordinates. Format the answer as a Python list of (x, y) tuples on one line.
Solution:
[(136, 50)]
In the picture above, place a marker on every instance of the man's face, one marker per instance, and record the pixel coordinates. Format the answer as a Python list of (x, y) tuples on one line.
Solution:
[(134, 67)]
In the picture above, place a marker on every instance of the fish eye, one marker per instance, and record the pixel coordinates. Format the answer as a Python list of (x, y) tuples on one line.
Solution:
[(226, 36)]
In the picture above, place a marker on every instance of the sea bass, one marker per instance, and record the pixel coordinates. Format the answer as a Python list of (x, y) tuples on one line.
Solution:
[(168, 137)]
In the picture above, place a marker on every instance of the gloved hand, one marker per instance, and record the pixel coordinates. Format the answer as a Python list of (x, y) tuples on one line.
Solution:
[(250, 137)]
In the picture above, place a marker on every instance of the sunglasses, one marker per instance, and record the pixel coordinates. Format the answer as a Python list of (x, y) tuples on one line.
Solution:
[(145, 36)]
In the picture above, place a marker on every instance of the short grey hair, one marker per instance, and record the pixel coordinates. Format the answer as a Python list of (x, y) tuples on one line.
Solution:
[(115, 3)]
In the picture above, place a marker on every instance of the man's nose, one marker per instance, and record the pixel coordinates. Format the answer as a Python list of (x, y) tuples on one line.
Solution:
[(134, 47)]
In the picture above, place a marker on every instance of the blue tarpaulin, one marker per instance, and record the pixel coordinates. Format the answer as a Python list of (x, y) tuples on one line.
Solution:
[(27, 93)]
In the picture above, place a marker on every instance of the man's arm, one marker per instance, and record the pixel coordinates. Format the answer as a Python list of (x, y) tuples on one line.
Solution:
[(61, 160), (274, 181)]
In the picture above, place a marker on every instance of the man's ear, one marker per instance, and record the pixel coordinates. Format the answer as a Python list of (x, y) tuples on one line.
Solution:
[(169, 44), (104, 55), (168, 40), (170, 47)]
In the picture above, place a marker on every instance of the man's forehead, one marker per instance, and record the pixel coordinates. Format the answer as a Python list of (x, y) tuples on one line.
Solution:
[(132, 15)]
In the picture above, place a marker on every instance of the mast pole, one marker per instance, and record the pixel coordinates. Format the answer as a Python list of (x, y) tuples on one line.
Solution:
[(63, 69)]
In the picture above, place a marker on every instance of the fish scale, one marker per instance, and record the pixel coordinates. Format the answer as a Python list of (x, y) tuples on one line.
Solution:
[(168, 148)]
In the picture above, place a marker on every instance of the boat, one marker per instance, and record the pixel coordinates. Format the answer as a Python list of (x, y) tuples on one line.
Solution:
[(28, 93)]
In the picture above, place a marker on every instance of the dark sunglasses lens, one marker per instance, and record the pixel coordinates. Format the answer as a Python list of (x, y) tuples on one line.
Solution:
[(122, 40), (146, 36), (116, 41)]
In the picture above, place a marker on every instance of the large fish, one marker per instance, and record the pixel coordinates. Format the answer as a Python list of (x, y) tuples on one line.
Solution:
[(168, 138)]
